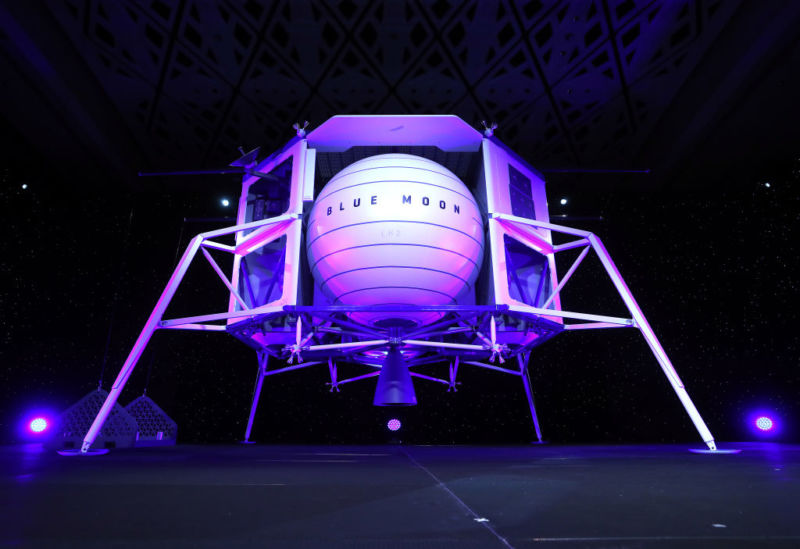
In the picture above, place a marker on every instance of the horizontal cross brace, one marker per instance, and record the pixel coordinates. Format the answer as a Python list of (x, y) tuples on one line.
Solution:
[(596, 326), (393, 308), (492, 367), (200, 327)]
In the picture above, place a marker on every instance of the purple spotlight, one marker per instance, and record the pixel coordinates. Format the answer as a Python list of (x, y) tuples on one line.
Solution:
[(394, 424), (38, 425), (764, 423)]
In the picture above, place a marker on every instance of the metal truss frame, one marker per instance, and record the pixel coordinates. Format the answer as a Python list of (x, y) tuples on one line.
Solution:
[(264, 230), (325, 334), (589, 241)]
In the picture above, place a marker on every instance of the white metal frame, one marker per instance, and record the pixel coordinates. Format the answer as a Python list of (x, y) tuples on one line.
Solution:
[(496, 161), (273, 228), (269, 229), (591, 241), (356, 342)]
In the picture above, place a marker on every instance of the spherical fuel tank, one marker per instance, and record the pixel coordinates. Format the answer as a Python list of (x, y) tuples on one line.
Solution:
[(395, 229)]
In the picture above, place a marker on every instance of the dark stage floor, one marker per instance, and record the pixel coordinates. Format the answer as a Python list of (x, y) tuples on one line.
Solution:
[(401, 496)]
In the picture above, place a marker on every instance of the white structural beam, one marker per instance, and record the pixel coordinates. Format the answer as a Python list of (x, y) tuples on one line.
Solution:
[(263, 358), (268, 308), (138, 348), (444, 345), (358, 378), (224, 279), (429, 378), (566, 278), (292, 368), (570, 245), (218, 246), (596, 326), (197, 327), (578, 316), (526, 384), (652, 341), (638, 319), (348, 345), (154, 321), (491, 367)]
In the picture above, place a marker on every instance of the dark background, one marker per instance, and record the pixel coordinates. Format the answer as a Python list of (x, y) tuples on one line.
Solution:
[(702, 93)]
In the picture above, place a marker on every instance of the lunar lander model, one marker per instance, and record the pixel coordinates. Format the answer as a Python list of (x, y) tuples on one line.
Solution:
[(393, 242)]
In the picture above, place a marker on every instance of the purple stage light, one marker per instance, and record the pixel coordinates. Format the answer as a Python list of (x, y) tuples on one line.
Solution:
[(764, 423), (394, 424), (38, 425)]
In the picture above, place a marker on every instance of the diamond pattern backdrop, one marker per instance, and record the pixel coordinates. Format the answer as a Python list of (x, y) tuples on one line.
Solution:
[(569, 83)]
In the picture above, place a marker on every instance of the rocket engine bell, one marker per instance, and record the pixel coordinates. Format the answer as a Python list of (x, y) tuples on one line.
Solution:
[(395, 229)]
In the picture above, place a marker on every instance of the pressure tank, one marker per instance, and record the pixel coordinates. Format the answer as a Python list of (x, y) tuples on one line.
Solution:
[(395, 229)]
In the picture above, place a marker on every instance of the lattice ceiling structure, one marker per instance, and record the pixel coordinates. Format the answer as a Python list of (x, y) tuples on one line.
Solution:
[(184, 83)]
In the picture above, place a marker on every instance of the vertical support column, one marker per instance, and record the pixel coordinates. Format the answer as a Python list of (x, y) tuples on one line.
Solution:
[(334, 375), (652, 341), (453, 373), (526, 383), (138, 348), (263, 359)]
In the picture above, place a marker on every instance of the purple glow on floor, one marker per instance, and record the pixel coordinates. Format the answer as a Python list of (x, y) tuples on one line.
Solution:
[(38, 425), (394, 424)]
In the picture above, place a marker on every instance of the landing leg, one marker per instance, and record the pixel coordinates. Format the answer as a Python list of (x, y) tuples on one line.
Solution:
[(263, 358), (526, 383), (652, 342), (138, 348)]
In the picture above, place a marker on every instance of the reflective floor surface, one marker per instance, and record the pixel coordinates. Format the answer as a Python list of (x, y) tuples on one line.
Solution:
[(401, 497)]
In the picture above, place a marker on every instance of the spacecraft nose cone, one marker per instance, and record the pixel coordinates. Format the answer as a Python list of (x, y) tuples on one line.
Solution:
[(395, 387)]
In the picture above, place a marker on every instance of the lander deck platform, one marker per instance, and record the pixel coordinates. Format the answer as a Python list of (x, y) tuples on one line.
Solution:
[(401, 497)]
